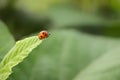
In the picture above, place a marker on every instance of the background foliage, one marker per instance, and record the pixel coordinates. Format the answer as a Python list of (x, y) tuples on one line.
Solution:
[(84, 43)]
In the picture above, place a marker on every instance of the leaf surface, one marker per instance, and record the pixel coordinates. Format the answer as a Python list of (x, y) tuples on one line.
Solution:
[(6, 40), (16, 55)]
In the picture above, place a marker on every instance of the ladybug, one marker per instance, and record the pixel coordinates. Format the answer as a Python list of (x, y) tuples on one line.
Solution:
[(43, 34)]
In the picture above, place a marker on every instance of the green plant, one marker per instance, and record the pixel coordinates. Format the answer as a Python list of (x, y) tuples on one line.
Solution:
[(20, 50), (70, 55), (84, 42)]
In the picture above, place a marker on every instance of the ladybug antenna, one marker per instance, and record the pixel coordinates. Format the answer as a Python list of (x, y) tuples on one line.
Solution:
[(49, 33)]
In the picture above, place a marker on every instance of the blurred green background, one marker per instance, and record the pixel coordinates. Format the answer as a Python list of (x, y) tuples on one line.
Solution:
[(84, 43)]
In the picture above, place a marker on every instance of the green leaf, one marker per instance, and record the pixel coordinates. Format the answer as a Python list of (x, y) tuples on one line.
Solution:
[(63, 16), (62, 56), (17, 54), (6, 40), (115, 4), (37, 7), (107, 67)]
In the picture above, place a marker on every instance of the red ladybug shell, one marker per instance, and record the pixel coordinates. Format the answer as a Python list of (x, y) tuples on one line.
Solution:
[(43, 35)]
